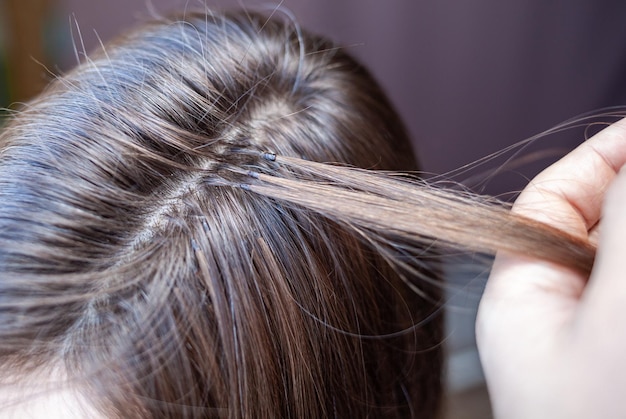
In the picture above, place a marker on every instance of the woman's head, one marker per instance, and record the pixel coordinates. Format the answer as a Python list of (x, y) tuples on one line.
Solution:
[(133, 261)]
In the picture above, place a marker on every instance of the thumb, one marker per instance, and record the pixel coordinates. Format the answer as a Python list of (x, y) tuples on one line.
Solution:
[(606, 292)]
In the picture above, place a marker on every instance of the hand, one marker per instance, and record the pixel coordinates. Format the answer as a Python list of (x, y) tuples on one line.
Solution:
[(553, 342)]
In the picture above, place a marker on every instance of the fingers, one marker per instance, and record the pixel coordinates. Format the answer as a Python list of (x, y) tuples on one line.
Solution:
[(613, 237), (569, 194), (607, 287), (530, 307)]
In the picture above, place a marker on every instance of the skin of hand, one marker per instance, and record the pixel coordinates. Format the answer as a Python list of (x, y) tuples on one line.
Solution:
[(551, 341)]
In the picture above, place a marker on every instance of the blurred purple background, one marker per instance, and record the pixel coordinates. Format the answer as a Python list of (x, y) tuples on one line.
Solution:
[(469, 78)]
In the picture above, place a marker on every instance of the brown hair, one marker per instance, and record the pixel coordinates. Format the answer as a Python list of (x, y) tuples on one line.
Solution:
[(188, 228), (136, 253)]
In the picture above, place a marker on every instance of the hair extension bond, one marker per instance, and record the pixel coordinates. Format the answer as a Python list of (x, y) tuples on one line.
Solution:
[(202, 222)]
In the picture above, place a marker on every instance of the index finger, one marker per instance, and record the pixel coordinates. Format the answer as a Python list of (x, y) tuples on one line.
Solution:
[(568, 195)]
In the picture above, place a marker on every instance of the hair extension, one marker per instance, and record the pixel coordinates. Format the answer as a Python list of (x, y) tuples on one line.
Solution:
[(406, 208)]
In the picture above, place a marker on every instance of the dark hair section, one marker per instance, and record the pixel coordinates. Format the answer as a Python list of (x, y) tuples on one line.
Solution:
[(172, 232)]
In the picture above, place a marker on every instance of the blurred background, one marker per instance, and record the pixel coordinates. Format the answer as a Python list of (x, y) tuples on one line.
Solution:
[(469, 78)]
